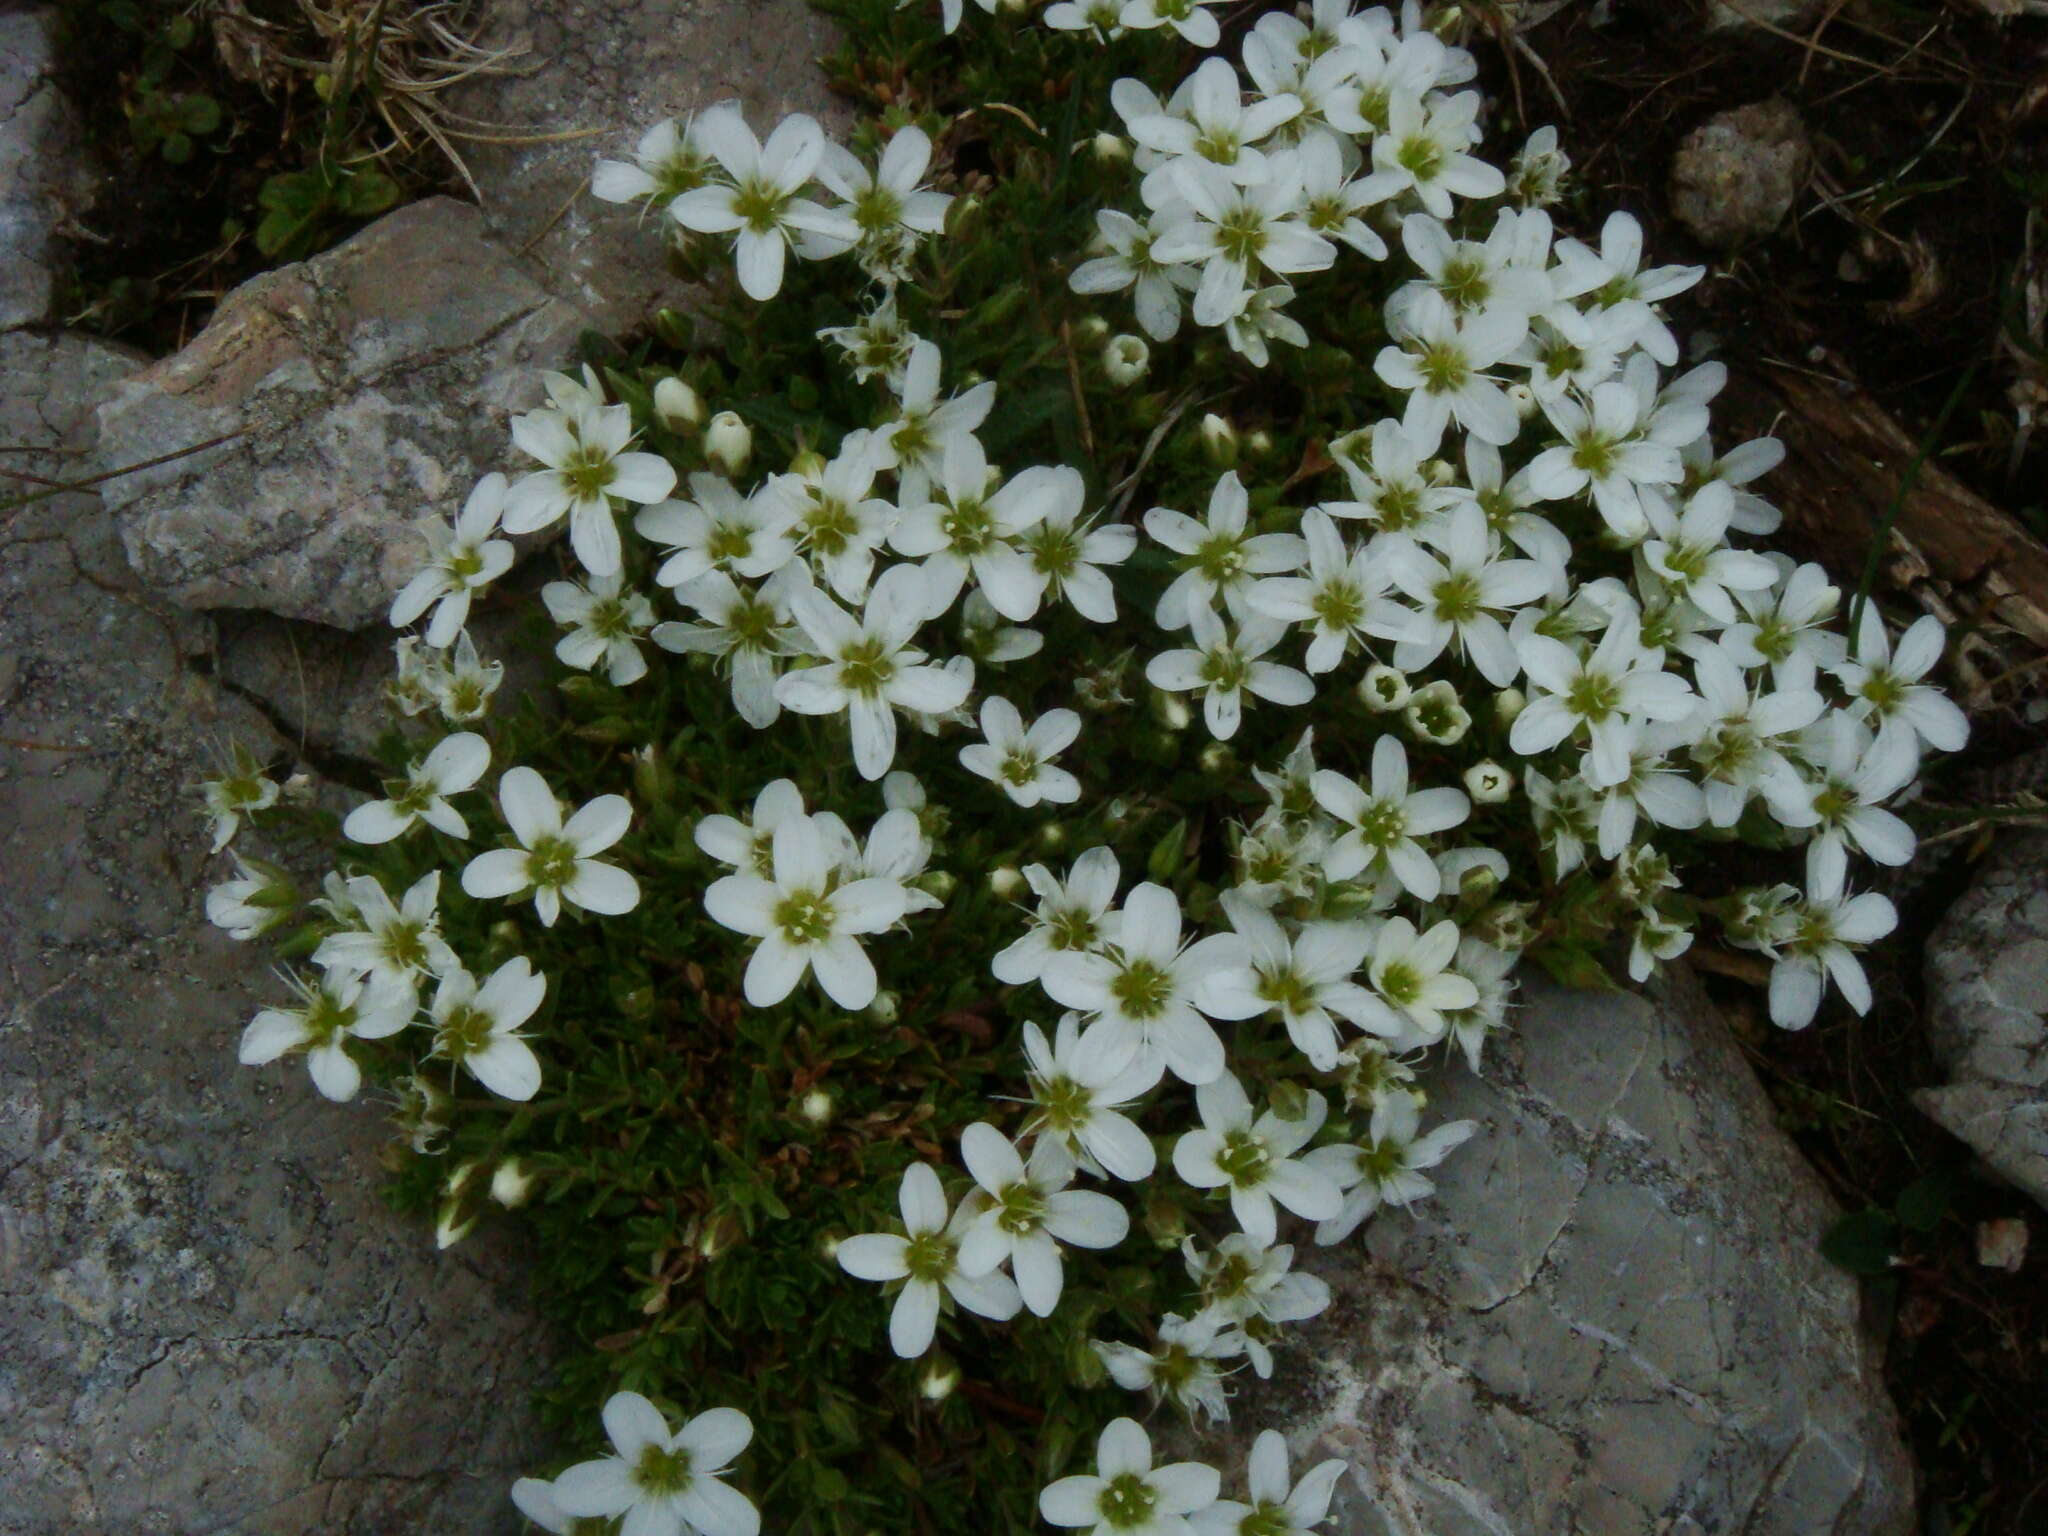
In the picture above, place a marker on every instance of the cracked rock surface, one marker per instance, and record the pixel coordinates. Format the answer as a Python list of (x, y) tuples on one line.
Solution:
[(208, 1320), (1736, 176), (45, 171), (1612, 1319), (371, 386), (597, 75), (1987, 1014)]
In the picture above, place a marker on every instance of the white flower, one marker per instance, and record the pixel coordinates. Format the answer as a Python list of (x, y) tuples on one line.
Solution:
[(1264, 318), (970, 526), (243, 789), (1074, 916), (605, 620), (1220, 554), (1027, 1211), (750, 627), (1125, 360), (256, 900), (1143, 990), (1279, 1506), (1304, 979), (1019, 761), (477, 1027), (762, 210), (1254, 1158), (1471, 275), (1382, 826), (1333, 199), (1596, 694), (1386, 1168), (870, 669), (455, 764), (927, 1260), (1841, 798), (390, 942), (834, 519), (588, 467), (1210, 120), (1424, 150), (332, 1011), (1126, 1493), (1102, 17), (1235, 231), (1887, 691), (806, 919), (461, 682), (667, 162), (1068, 554), (1187, 17), (534, 1498), (556, 860), (1609, 451), (1784, 624), (1695, 558), (462, 560), (1128, 262), (719, 529), (663, 1484), (886, 205), (876, 345), (1441, 360), (1247, 1282), (1820, 936), (1078, 1090), (1460, 593), (1414, 973), (1613, 280), (749, 846), (1738, 743), (1184, 1369), (914, 443), (1226, 669), (729, 444)]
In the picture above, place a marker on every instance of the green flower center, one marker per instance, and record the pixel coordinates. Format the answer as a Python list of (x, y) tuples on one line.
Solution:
[(1074, 928), (878, 210), (404, 945), (969, 526), (663, 1473), (588, 471), (1244, 1159), (1127, 1500), (1141, 989), (928, 1257), (1593, 696), (830, 526), (1420, 157), (1067, 1105), (1286, 990), (1382, 823), (866, 667), (1020, 768), (1020, 1208), (728, 543), (759, 205), (551, 861), (1444, 368), (464, 1032), (1464, 283), (1242, 235), (805, 917), (1055, 551), (1338, 604), (464, 562), (1399, 982), (1457, 598), (1595, 454)]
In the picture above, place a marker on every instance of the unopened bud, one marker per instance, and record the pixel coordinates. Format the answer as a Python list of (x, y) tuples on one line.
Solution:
[(885, 1008), (729, 444), (1488, 783), (1005, 881), (1053, 836), (1109, 149), (939, 1379), (808, 465), (1509, 703), (452, 1224), (1384, 688), (677, 406), (511, 1183), (1125, 360), (1219, 441), (717, 1235), (1092, 329), (1259, 444), (1523, 399), (815, 1107), (1217, 757), (1171, 710)]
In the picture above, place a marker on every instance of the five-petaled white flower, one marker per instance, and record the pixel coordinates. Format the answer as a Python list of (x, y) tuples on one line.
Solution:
[(1280, 1505), (807, 918), (1253, 1158), (1414, 973), (455, 764), (1386, 1167), (398, 942), (588, 467), (927, 1260), (1304, 979), (461, 561), (661, 1483), (1888, 692), (761, 208), (1383, 825), (1126, 1495), (870, 669), (556, 860), (1074, 916), (1025, 1211), (1018, 760), (477, 1027), (1226, 668), (1220, 554), (605, 620), (332, 1011), (1079, 1088)]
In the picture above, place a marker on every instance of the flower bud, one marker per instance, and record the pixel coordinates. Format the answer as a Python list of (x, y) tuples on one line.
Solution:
[(677, 406), (1109, 149), (451, 1224), (729, 444), (939, 1379), (885, 1009), (816, 1107), (459, 1178), (1259, 444), (719, 1233), (1217, 757), (1436, 714), (1091, 330), (1523, 399), (511, 1183), (1219, 441), (1488, 783), (1005, 881), (1384, 688), (808, 465), (941, 883), (1171, 710), (1509, 703), (1053, 836), (1125, 360), (653, 781)]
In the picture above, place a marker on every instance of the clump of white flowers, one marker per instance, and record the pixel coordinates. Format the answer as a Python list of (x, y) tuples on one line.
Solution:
[(1520, 588)]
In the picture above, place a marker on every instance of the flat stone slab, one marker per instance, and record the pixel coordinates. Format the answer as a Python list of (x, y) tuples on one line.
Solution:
[(1987, 1014), (46, 173), (369, 386), (1612, 1319), (209, 1321)]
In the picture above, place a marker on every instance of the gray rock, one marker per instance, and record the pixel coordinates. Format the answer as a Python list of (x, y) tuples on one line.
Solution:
[(46, 175), (370, 385), (1757, 13), (601, 75), (1612, 1319), (208, 1320), (1735, 176), (1987, 1013)]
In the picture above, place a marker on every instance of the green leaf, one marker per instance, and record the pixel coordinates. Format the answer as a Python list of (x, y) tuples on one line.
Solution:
[(367, 193), (1922, 1203), (1863, 1242), (199, 115), (1168, 854), (177, 148)]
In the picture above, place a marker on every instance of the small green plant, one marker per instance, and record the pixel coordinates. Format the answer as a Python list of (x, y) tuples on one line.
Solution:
[(301, 209), (165, 120)]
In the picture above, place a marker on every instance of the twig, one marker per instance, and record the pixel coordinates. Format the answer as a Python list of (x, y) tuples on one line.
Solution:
[(15, 504), (1080, 398), (1812, 44)]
